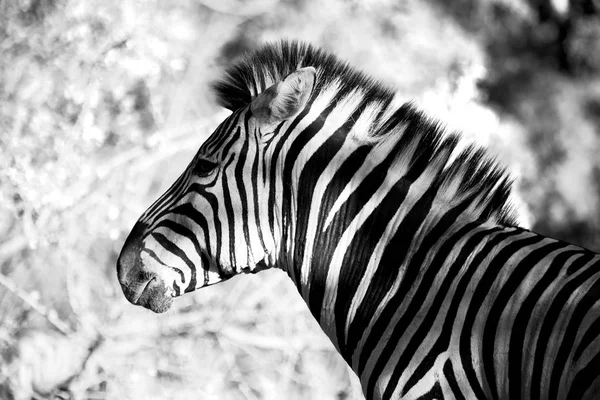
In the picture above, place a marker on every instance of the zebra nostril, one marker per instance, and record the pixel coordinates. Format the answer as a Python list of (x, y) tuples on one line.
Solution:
[(132, 295), (134, 290), (132, 277), (137, 294)]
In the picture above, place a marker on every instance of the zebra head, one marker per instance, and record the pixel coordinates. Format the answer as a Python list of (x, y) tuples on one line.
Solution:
[(214, 222)]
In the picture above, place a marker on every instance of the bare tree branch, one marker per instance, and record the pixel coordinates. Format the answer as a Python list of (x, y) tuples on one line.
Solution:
[(12, 247), (49, 315)]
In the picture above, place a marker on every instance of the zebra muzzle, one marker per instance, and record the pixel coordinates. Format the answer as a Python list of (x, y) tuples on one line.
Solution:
[(155, 296), (141, 286)]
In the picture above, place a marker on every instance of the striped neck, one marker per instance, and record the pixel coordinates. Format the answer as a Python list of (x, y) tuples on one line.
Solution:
[(353, 213), (359, 198)]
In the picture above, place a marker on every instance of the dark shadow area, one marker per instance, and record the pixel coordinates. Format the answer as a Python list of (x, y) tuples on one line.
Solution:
[(542, 64)]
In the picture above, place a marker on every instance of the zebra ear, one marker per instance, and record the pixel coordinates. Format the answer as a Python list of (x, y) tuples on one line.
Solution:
[(284, 99)]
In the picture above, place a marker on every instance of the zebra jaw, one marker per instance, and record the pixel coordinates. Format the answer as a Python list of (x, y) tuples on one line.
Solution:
[(158, 297)]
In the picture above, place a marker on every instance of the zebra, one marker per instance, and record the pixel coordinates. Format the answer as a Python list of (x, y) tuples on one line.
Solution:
[(401, 238)]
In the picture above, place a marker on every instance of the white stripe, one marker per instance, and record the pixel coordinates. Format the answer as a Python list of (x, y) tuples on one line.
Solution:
[(318, 106), (332, 283), (382, 150), (315, 208)]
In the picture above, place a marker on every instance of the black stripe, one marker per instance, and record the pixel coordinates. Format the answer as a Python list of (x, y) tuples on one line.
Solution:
[(241, 189), (324, 238), (591, 334), (189, 211), (570, 334), (176, 251), (394, 254), (446, 333), (222, 132), (482, 290), (149, 213), (290, 159), (421, 333), (576, 267), (254, 185), (233, 139), (163, 202), (418, 298), (306, 188), (453, 272), (508, 289), (155, 258), (266, 151), (193, 237), (352, 207), (165, 208), (267, 142), (212, 200), (584, 380), (435, 393), (451, 379), (552, 315), (354, 265), (229, 215), (328, 238), (275, 162), (517, 338)]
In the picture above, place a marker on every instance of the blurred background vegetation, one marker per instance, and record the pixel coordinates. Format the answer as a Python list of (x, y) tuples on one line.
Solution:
[(104, 102)]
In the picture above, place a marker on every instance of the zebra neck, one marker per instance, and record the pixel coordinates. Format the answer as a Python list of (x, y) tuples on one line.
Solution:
[(347, 256), (360, 277)]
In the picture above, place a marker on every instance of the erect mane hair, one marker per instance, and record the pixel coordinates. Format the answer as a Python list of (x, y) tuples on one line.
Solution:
[(469, 176)]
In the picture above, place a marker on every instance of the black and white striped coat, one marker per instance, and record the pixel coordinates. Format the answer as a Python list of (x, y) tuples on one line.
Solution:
[(399, 238)]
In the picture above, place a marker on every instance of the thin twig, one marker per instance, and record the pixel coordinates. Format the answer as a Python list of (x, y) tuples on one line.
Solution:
[(49, 315), (268, 342), (12, 247)]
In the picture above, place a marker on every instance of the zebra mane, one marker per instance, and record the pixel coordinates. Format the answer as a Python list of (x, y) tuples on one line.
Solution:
[(470, 176)]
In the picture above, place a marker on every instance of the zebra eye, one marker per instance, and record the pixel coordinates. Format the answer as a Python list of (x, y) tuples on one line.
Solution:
[(204, 167)]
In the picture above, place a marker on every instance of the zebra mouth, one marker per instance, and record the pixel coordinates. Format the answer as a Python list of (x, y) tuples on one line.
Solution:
[(139, 294), (155, 296)]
